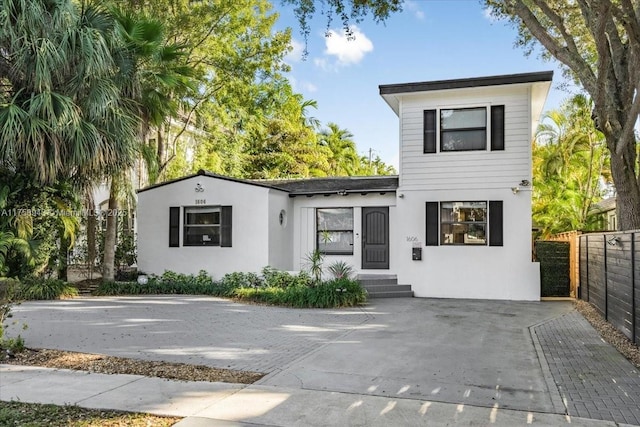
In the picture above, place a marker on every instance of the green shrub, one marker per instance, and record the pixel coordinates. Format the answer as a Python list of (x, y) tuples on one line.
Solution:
[(169, 283), (282, 279), (45, 289), (273, 287), (334, 293), (242, 280), (8, 293)]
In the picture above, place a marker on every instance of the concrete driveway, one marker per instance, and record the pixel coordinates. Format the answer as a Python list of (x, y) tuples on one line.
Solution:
[(457, 351)]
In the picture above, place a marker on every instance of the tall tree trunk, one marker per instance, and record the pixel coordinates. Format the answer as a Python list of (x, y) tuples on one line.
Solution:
[(623, 170), (108, 263), (63, 255), (91, 225)]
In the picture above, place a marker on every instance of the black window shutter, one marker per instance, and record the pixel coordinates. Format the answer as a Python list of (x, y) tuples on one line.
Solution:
[(432, 237), (174, 227), (497, 127), (495, 223), (225, 226), (429, 131)]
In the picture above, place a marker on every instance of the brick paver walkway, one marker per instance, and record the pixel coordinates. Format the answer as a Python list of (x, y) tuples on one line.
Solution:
[(594, 380)]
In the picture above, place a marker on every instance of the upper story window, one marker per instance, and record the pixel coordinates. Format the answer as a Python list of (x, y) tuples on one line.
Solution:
[(464, 129)]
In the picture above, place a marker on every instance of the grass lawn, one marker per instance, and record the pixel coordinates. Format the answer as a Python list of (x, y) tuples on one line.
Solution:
[(36, 415)]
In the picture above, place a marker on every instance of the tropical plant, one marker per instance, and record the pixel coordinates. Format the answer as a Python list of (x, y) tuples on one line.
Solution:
[(343, 157), (340, 269), (570, 168), (61, 112), (45, 289), (314, 261)]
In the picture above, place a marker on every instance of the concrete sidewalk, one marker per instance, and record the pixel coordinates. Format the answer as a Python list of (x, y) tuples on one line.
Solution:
[(214, 404)]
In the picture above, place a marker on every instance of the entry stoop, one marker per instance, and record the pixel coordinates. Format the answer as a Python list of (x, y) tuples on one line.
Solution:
[(384, 286)]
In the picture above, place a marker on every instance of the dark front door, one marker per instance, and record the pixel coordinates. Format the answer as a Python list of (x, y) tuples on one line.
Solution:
[(375, 238)]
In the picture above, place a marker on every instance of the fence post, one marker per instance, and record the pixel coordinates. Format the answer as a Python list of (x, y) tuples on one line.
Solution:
[(633, 287), (606, 286), (586, 250)]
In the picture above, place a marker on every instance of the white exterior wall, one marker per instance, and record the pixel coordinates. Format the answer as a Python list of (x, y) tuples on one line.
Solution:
[(486, 272), (304, 230), (280, 235), (250, 228), (466, 169)]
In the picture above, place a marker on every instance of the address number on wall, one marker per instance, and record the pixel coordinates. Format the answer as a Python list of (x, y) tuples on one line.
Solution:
[(412, 239), (201, 201)]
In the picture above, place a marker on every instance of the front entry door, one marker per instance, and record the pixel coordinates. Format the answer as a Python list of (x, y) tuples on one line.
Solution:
[(375, 238)]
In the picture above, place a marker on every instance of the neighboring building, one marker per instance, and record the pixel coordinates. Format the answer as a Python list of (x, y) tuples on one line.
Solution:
[(606, 211), (455, 223)]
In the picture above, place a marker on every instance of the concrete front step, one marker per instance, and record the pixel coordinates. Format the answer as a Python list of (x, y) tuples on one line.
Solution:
[(386, 288), (375, 282), (393, 294)]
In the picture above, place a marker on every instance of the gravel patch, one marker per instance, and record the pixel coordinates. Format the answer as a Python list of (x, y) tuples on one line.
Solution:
[(119, 365), (609, 333)]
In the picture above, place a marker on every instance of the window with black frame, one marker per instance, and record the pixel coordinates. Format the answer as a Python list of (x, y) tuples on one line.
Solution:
[(334, 231), (202, 226), (463, 223), (463, 129)]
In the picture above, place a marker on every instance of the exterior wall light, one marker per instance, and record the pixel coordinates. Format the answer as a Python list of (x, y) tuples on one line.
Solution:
[(515, 190)]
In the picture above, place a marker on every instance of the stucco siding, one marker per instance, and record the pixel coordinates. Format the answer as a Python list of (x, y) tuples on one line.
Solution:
[(488, 272), (305, 227), (250, 231), (280, 231)]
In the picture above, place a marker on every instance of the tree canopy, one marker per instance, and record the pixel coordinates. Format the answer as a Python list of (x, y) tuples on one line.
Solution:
[(598, 41)]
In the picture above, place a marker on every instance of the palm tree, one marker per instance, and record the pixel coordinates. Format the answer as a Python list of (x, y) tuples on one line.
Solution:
[(61, 113), (570, 163), (154, 78), (63, 118), (343, 158)]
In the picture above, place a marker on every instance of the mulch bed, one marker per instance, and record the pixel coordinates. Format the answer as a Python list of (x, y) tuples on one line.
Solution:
[(118, 365), (609, 333)]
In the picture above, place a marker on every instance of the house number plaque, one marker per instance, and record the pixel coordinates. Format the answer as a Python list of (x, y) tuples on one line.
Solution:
[(201, 201)]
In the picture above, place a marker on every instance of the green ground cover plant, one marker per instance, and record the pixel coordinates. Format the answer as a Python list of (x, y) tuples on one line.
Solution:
[(45, 289), (36, 414), (270, 287)]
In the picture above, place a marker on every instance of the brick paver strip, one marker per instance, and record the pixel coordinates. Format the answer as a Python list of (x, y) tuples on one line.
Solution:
[(594, 379)]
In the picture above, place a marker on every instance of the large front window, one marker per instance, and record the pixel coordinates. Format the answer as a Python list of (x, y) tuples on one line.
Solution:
[(463, 129), (202, 226), (463, 223), (334, 231)]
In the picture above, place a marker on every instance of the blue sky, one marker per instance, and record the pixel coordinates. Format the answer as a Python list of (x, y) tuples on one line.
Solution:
[(429, 40)]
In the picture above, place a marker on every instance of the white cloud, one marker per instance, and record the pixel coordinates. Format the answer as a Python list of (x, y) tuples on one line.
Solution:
[(347, 49), (488, 16), (308, 87), (297, 50), (414, 7), (302, 85)]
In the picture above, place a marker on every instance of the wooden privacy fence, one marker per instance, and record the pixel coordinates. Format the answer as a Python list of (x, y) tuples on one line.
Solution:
[(610, 278), (574, 256)]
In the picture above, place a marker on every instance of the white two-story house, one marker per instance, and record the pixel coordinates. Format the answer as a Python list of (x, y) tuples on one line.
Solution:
[(455, 223)]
